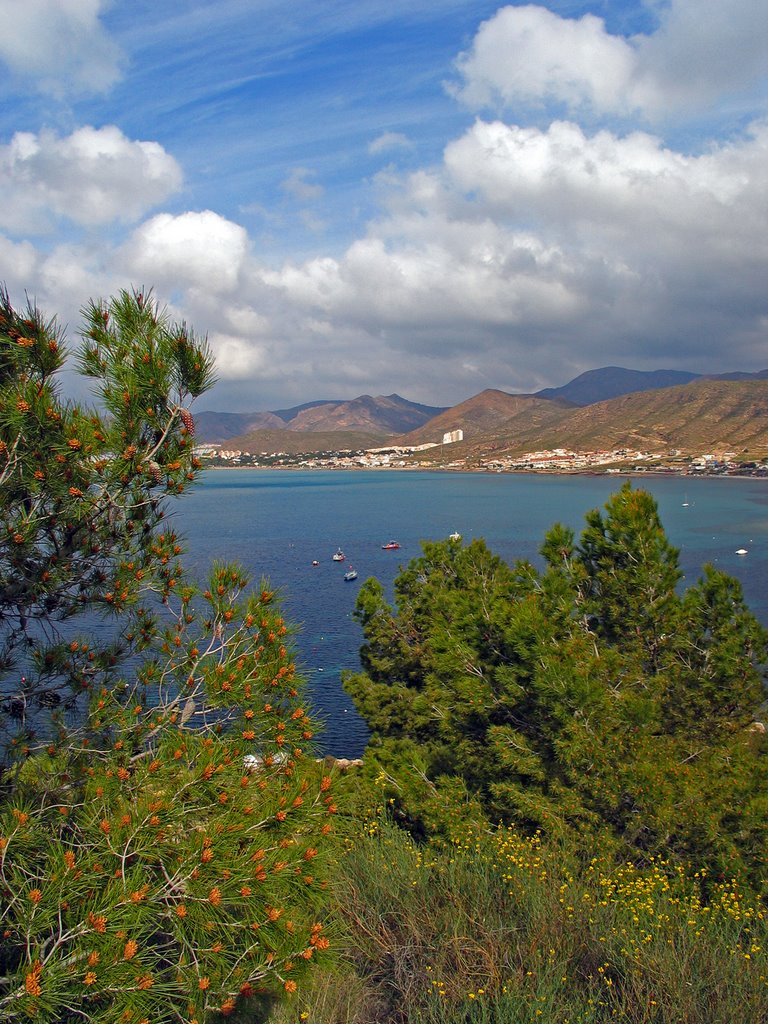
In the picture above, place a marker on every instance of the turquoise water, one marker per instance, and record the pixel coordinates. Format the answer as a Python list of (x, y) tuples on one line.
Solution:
[(276, 523)]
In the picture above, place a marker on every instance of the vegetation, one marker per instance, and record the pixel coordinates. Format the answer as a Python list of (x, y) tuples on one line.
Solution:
[(494, 928), (162, 828), (591, 700), (576, 771)]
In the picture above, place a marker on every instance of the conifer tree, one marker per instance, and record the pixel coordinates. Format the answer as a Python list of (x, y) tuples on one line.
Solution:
[(83, 494), (162, 827), (591, 700)]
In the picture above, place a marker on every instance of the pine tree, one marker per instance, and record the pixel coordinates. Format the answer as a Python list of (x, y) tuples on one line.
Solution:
[(83, 495), (591, 700), (162, 825), (630, 573)]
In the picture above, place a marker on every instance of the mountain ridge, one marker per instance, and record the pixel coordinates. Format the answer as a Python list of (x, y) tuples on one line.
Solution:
[(380, 415), (705, 416), (661, 414)]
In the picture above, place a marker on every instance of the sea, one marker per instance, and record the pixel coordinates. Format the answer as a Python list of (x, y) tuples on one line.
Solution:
[(279, 523)]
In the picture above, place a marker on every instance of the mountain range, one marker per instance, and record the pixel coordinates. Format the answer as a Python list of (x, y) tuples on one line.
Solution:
[(384, 416), (609, 407)]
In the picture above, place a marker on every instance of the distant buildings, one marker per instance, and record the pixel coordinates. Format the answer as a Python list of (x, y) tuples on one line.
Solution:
[(556, 460)]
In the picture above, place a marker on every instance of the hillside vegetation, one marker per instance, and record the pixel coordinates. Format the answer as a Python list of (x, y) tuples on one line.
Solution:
[(385, 415), (491, 414), (705, 415)]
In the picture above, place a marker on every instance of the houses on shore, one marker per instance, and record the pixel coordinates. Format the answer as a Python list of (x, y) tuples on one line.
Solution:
[(558, 460)]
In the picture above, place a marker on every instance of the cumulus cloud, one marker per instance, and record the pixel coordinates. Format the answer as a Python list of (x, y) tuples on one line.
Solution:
[(19, 261), (237, 357), (58, 48), (201, 250), (701, 50), (622, 186), (530, 247), (93, 176), (705, 49), (526, 249), (530, 55)]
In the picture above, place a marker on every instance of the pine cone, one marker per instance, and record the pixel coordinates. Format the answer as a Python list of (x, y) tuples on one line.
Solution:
[(186, 419), (154, 469)]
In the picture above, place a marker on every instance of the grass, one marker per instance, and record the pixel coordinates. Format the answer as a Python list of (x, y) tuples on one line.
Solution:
[(497, 928)]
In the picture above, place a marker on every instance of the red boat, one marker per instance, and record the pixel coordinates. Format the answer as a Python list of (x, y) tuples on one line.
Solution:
[(391, 545)]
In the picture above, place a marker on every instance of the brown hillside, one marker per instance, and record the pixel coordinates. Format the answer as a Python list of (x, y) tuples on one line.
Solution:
[(705, 416), (384, 414), (296, 441), (490, 412)]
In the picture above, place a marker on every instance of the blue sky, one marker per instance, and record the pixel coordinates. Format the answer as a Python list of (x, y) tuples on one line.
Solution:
[(433, 199)]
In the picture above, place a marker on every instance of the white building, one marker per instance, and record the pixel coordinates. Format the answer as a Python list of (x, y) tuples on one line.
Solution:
[(453, 435)]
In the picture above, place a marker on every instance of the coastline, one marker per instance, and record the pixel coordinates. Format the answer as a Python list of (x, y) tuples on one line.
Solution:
[(483, 471)]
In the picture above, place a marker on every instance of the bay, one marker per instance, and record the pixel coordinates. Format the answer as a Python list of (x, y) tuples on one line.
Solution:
[(276, 523)]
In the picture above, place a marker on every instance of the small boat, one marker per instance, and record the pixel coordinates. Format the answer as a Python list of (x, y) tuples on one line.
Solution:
[(315, 562), (741, 551), (338, 556), (350, 574), (455, 537), (391, 545)]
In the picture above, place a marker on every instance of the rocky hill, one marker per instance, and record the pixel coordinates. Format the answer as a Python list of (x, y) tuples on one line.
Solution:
[(491, 412), (382, 416), (295, 442), (704, 416), (612, 381)]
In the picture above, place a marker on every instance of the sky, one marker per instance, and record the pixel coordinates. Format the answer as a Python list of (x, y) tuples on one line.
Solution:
[(353, 197)]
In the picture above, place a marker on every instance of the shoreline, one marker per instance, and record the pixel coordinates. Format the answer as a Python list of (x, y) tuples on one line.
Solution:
[(479, 471)]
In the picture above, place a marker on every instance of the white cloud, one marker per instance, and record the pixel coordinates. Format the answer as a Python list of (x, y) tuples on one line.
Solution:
[(91, 177), (528, 256), (539, 248), (388, 141), (60, 280), (619, 186), (58, 48), (533, 251), (191, 250), (530, 55), (439, 295), (19, 262), (236, 357), (701, 51), (69, 275)]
